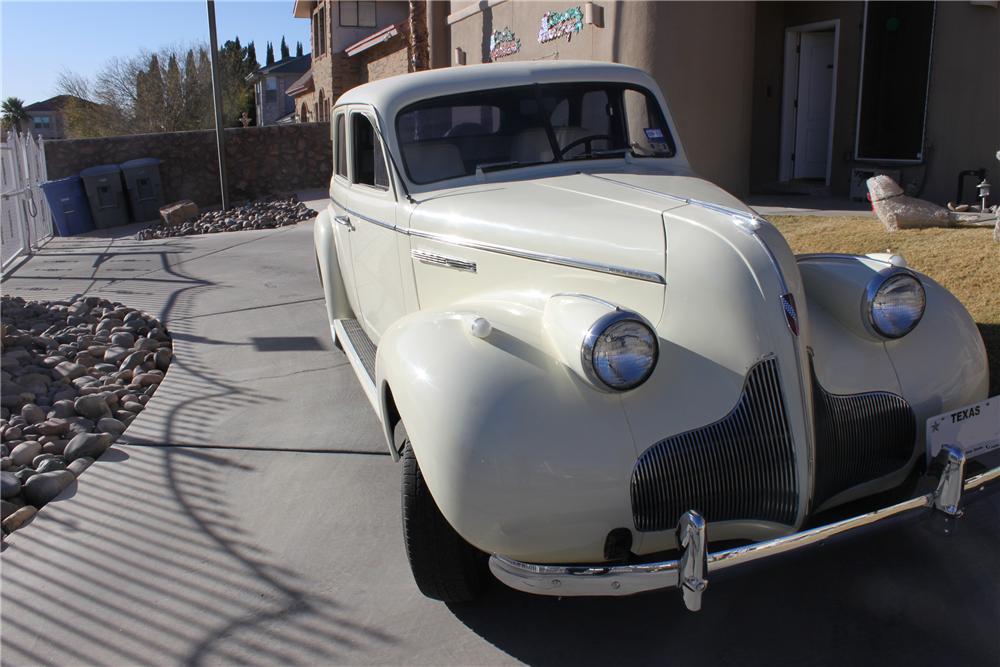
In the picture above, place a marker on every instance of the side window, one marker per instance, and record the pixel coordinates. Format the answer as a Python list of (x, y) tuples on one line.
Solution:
[(340, 146), (369, 161)]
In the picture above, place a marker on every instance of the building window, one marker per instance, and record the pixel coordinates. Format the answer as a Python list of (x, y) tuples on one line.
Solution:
[(42, 122), (319, 31), (357, 14), (271, 89), (321, 108), (896, 60)]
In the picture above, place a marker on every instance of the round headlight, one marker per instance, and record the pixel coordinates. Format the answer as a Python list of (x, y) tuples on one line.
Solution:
[(620, 351), (895, 303)]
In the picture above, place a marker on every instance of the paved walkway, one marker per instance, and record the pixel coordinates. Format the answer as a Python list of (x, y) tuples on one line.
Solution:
[(257, 522)]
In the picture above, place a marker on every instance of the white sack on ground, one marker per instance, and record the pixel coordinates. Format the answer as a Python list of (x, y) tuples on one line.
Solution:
[(898, 211)]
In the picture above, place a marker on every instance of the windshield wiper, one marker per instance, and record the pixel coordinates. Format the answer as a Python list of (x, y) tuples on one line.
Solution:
[(606, 152), (487, 167)]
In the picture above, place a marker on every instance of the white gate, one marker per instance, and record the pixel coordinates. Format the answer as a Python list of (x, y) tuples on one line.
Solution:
[(25, 218)]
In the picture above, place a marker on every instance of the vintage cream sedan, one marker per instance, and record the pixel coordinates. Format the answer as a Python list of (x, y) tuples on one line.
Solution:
[(590, 361)]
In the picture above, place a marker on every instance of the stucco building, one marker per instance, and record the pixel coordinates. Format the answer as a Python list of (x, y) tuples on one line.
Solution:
[(358, 41), (786, 96), (271, 89), (48, 117)]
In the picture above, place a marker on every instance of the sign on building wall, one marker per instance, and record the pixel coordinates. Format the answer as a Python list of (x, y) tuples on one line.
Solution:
[(560, 24), (503, 43)]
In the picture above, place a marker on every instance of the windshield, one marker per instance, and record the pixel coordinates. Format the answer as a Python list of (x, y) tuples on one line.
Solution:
[(453, 136)]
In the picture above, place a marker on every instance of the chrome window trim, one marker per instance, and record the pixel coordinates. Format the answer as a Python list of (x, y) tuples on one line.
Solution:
[(612, 269)]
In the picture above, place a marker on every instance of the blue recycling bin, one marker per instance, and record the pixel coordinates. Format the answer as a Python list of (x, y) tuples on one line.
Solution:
[(68, 203)]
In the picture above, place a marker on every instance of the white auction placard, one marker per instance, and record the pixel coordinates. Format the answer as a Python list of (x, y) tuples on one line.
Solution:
[(975, 428)]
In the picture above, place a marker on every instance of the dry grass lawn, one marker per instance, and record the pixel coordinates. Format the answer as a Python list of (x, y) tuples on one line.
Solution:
[(966, 261)]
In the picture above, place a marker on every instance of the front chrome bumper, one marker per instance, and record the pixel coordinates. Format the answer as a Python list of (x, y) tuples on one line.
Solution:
[(689, 572)]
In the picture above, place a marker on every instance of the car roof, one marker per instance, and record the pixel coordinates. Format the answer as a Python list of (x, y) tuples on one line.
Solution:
[(391, 94)]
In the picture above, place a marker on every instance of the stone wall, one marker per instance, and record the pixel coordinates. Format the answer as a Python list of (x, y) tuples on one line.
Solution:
[(260, 161)]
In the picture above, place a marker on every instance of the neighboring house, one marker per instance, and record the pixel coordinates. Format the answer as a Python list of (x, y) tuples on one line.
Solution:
[(358, 41), (786, 96), (271, 84), (48, 117)]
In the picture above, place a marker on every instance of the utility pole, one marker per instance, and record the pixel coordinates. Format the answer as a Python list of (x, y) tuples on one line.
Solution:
[(220, 136)]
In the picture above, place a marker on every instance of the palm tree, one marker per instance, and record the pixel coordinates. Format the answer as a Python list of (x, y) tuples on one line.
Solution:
[(13, 113)]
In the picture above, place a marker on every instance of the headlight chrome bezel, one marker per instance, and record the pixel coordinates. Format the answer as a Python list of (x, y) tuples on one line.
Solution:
[(592, 337), (876, 286)]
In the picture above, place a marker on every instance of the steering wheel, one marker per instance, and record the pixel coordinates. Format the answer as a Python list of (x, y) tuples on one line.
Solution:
[(588, 140)]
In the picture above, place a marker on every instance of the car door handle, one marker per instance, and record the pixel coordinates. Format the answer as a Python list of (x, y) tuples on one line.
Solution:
[(345, 221)]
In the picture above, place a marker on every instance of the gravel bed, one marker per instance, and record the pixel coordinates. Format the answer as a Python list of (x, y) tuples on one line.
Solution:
[(261, 214), (75, 374)]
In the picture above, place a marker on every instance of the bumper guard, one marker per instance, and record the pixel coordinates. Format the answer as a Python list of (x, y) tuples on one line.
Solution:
[(689, 572)]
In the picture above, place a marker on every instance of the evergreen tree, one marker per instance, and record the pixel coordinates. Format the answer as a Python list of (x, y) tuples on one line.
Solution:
[(284, 48), (270, 55), (173, 96), (149, 107), (251, 57), (298, 49)]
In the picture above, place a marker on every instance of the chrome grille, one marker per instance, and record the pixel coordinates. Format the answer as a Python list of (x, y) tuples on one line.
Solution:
[(859, 438), (740, 467)]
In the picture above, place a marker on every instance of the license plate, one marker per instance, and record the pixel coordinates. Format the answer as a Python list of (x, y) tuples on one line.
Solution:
[(975, 428)]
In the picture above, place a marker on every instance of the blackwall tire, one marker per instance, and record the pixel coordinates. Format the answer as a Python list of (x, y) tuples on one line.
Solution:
[(444, 565)]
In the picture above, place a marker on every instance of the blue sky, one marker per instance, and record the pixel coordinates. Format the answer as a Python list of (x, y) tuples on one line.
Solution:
[(38, 39)]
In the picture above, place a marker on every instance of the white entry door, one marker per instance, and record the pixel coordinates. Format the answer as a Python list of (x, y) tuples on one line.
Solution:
[(815, 90)]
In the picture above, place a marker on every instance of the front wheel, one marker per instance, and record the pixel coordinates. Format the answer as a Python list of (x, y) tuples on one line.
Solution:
[(444, 565)]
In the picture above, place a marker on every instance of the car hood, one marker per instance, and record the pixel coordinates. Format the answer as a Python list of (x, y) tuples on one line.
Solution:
[(610, 218)]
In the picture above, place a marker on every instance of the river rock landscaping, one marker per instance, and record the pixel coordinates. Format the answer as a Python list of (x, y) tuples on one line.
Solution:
[(74, 376), (261, 214)]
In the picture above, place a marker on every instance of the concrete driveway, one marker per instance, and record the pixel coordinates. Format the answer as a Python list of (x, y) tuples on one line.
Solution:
[(254, 518)]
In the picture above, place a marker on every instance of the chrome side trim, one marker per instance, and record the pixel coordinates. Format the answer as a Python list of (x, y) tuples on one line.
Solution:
[(615, 270), (616, 580), (625, 272), (442, 260)]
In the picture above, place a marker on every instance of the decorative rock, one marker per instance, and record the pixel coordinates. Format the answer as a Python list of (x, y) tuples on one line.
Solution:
[(12, 433), (92, 407), (91, 445), (10, 485), (179, 212), (48, 465), (123, 339), (146, 379), (43, 487), (25, 452), (79, 465), (19, 518), (24, 473), (68, 370), (56, 447), (7, 508), (111, 426), (32, 413), (54, 426), (37, 461)]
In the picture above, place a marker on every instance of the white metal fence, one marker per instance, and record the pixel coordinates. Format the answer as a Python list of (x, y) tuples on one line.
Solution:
[(25, 218)]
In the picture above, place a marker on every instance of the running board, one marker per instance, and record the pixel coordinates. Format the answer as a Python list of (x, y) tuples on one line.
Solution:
[(360, 351)]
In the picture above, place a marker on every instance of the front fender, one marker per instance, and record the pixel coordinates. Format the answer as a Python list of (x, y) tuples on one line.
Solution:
[(522, 456), (939, 365)]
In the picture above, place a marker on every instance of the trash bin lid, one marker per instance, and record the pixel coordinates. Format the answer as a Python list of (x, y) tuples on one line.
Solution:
[(100, 170), (141, 162), (60, 181)]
